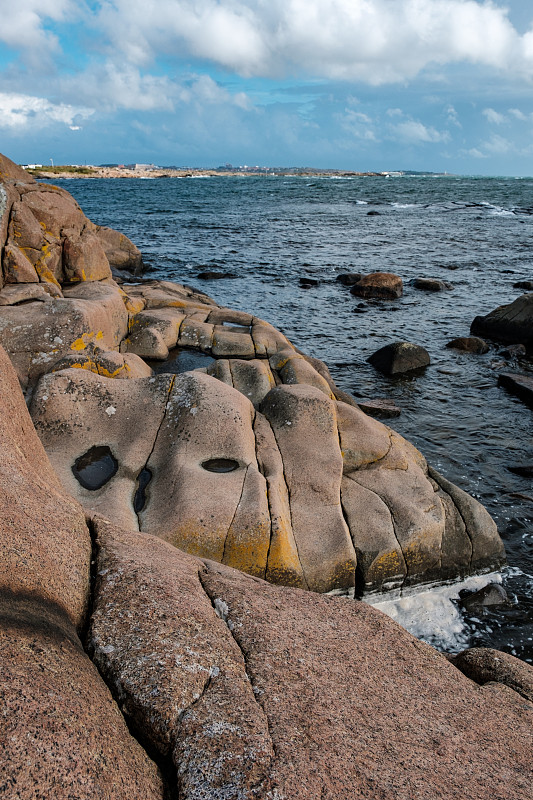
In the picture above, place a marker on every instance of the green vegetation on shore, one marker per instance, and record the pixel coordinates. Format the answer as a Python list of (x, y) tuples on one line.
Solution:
[(60, 170)]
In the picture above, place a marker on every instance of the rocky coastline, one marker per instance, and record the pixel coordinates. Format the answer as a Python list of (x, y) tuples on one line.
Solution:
[(169, 538)]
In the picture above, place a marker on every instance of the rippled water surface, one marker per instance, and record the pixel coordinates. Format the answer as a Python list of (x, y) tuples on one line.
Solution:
[(476, 233)]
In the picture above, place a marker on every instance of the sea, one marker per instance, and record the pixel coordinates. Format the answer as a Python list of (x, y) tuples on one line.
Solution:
[(476, 233)]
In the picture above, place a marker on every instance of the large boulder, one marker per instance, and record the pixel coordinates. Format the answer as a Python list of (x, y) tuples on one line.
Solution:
[(62, 733), (45, 236), (260, 691), (510, 324), (303, 489)]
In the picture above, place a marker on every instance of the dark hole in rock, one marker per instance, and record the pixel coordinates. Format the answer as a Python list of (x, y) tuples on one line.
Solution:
[(180, 360), (95, 467), (139, 501), (220, 465)]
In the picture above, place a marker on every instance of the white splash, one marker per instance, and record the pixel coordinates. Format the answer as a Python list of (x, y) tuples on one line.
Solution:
[(429, 613)]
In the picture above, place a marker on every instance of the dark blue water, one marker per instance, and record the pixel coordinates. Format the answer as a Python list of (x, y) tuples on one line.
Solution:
[(476, 233)]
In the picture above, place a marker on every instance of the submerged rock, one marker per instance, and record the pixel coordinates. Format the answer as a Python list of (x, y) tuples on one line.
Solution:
[(469, 344), (431, 285)]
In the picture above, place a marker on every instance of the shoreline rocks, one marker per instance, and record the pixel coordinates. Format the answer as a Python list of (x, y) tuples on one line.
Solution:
[(212, 675)]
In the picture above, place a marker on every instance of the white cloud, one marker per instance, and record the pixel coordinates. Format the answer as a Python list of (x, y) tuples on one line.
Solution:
[(517, 114), (494, 116), (453, 117), (497, 145), (24, 25), (414, 132), (376, 41), (19, 110)]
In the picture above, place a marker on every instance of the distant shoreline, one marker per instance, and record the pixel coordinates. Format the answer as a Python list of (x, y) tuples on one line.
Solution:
[(54, 173)]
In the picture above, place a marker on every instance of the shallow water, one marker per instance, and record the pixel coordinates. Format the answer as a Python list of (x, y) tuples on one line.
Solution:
[(476, 233)]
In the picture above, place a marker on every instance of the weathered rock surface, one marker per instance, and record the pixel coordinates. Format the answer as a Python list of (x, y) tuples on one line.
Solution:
[(510, 324), (469, 344), (45, 547), (399, 357), (62, 734), (243, 690), (259, 691), (45, 236), (385, 285), (258, 464)]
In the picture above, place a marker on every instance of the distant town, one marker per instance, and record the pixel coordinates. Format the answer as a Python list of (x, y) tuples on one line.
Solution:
[(154, 171)]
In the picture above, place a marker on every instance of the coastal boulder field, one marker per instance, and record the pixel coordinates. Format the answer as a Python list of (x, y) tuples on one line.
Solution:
[(187, 489)]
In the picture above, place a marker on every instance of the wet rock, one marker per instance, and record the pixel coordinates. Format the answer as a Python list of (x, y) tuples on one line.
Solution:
[(520, 385), (469, 344), (486, 665), (384, 285), (524, 470), (491, 596), (399, 357), (214, 275), (513, 351), (527, 285), (349, 278), (510, 324), (431, 285), (380, 407), (373, 214), (306, 282)]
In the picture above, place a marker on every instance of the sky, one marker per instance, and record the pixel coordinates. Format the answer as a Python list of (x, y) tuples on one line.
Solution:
[(429, 85)]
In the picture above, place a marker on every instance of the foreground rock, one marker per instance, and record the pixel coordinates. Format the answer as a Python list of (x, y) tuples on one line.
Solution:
[(510, 324), (384, 285), (62, 733), (229, 686), (400, 357)]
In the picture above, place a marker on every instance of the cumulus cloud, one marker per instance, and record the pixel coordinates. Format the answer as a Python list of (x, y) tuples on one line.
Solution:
[(494, 116), (376, 41), (24, 25), (416, 132), (19, 111)]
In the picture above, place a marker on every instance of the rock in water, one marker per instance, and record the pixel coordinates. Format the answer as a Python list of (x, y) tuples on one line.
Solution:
[(520, 385), (399, 357), (384, 285), (491, 596), (431, 285), (510, 324), (469, 344)]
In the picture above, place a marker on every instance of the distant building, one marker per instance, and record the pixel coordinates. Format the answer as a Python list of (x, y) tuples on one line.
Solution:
[(31, 166)]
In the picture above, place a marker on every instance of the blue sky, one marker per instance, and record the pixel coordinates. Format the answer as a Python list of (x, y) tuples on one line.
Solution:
[(441, 85)]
